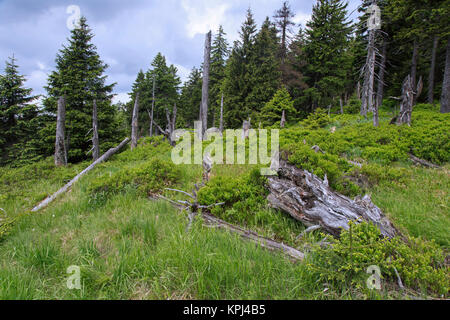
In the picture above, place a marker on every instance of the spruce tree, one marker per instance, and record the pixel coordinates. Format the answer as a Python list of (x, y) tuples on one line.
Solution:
[(236, 84), (264, 74), (327, 38), (18, 116), (79, 76), (219, 55), (273, 110), (191, 96)]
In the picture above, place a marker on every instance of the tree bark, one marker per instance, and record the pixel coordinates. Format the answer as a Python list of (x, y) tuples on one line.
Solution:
[(309, 200), (135, 123), (283, 119), (369, 75), (153, 107), (205, 83), (380, 87), (445, 96), (60, 148), (95, 140), (103, 158), (414, 66), (432, 70), (341, 105), (221, 115), (406, 103)]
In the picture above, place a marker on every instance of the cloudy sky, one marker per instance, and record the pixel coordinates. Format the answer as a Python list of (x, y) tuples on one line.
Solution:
[(128, 33)]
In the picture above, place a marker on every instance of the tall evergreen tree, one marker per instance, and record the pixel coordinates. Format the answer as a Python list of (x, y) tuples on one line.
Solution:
[(18, 116), (264, 74), (219, 54), (79, 76), (236, 84), (327, 41), (191, 96)]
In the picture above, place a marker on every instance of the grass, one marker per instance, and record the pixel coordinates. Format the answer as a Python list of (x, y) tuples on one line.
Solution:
[(131, 247)]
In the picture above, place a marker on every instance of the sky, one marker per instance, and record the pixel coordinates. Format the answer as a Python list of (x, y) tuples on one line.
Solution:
[(128, 33)]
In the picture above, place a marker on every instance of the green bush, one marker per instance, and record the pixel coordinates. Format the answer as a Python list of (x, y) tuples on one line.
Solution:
[(147, 178), (419, 263)]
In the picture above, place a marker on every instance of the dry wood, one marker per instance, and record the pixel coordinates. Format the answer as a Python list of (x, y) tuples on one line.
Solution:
[(283, 119), (422, 162), (445, 95), (103, 158), (267, 243), (221, 115), (60, 147), (135, 123), (407, 101), (309, 200), (205, 83), (432, 70), (95, 140)]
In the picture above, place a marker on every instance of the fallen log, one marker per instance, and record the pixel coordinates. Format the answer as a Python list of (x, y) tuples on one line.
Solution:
[(418, 161), (64, 189), (309, 200), (267, 243)]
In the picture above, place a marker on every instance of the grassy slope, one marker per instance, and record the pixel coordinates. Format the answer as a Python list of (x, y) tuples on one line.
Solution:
[(134, 248)]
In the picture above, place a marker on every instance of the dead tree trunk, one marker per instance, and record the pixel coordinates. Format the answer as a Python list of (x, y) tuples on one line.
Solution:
[(309, 200), (358, 90), (445, 96), (153, 107), (432, 70), (406, 103), (380, 87), (221, 115), (95, 140), (103, 158), (341, 105), (245, 129), (205, 84), (135, 123), (414, 63), (369, 75), (283, 119), (60, 148)]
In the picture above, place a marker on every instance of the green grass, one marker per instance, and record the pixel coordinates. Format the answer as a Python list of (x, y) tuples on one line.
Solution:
[(131, 247)]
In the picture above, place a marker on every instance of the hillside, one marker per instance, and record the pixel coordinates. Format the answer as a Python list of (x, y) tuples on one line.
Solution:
[(130, 246)]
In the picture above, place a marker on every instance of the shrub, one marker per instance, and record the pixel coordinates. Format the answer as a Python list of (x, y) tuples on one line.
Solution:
[(147, 178), (420, 264)]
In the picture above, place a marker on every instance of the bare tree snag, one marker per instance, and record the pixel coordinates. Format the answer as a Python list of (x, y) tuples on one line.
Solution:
[(205, 83), (369, 75), (309, 200), (406, 102), (221, 115), (64, 189), (153, 108), (245, 129), (381, 72), (415, 55), (283, 119), (445, 96), (135, 123), (418, 161), (432, 70), (60, 148), (358, 90), (341, 105), (95, 140)]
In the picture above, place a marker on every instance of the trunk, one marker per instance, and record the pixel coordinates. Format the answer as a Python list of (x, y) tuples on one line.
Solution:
[(445, 97), (380, 87), (95, 140), (245, 129), (406, 103), (341, 105), (135, 123), (221, 115), (369, 75), (358, 90), (309, 200), (432, 70), (205, 84), (283, 120), (153, 108), (60, 148), (414, 66), (103, 158)]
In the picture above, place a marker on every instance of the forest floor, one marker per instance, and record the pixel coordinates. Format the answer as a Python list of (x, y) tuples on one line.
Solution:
[(129, 246)]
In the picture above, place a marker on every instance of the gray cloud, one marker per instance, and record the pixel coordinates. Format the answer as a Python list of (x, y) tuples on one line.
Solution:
[(128, 34)]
